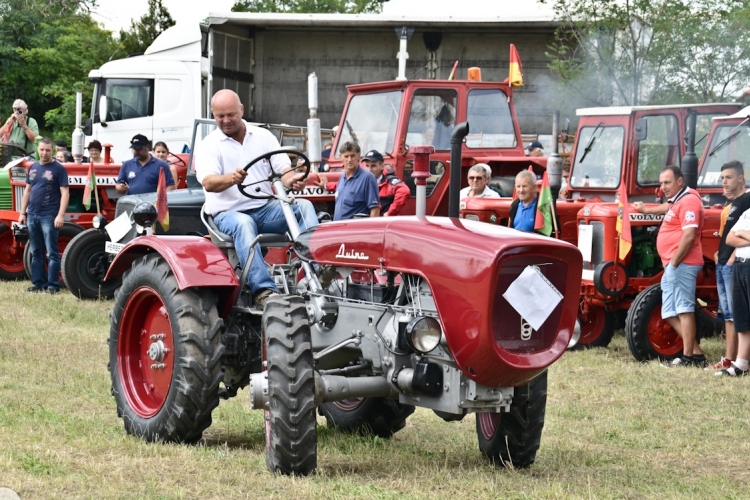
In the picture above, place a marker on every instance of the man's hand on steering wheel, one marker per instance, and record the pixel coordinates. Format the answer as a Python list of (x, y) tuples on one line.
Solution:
[(238, 176), (297, 182)]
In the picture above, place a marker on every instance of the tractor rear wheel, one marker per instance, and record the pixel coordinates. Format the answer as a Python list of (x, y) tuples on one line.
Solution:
[(84, 266), (11, 256), (164, 354), (512, 439), (707, 322), (648, 335), (291, 433), (66, 234), (597, 329), (367, 416)]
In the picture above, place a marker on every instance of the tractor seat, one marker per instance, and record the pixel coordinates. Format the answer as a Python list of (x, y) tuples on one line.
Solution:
[(223, 240)]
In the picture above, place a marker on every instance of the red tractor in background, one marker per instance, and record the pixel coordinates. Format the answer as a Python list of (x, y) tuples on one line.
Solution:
[(647, 334), (615, 145)]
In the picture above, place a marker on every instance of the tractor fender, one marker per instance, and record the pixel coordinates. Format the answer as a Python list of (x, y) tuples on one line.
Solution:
[(195, 261)]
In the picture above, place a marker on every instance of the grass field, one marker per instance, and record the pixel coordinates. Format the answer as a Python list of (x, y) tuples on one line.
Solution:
[(614, 429)]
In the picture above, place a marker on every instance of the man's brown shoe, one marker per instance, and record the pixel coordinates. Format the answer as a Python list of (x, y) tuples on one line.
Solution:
[(262, 296)]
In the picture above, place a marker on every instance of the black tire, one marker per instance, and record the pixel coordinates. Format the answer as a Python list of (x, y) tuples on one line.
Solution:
[(11, 257), (707, 322), (176, 408), (84, 265), (65, 236), (291, 433), (512, 439), (597, 331), (367, 416), (648, 335)]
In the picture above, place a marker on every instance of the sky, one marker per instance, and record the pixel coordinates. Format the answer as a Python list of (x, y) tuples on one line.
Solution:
[(117, 14)]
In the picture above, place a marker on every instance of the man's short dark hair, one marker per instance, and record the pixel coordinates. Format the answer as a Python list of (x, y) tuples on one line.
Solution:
[(735, 165), (45, 140), (350, 147), (675, 170)]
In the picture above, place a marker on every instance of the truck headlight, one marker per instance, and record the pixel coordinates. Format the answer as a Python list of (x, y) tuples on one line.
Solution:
[(423, 334)]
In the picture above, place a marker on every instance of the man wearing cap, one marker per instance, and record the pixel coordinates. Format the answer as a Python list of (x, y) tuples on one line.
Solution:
[(141, 173), (534, 149), (393, 193), (20, 128)]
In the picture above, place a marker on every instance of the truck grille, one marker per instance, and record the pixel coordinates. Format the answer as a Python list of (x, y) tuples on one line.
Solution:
[(507, 323)]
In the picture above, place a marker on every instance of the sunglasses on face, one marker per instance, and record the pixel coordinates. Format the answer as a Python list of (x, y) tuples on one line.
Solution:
[(476, 178)]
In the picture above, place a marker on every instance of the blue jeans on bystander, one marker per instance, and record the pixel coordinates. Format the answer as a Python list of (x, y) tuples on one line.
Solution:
[(43, 237)]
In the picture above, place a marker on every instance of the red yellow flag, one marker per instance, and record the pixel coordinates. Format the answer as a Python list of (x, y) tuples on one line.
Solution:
[(623, 224), (90, 187), (161, 202), (515, 77)]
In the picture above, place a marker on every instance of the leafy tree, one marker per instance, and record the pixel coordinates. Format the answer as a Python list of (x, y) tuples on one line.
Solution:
[(143, 32), (630, 52), (309, 6)]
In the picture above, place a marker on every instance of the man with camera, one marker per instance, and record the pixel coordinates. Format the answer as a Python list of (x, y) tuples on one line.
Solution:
[(20, 128)]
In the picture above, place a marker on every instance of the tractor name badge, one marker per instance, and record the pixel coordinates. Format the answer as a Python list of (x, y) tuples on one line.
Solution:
[(350, 254), (533, 297), (636, 217)]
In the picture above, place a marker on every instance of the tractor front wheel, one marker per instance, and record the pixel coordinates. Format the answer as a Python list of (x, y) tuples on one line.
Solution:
[(84, 266), (597, 328), (648, 335), (11, 256), (367, 416), (512, 439), (291, 433), (164, 354)]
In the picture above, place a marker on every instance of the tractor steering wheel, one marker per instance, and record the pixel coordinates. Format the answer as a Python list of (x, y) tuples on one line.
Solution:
[(173, 159), (273, 175)]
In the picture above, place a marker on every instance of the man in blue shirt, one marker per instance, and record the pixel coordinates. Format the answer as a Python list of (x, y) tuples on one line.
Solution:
[(43, 206), (141, 174), (357, 191)]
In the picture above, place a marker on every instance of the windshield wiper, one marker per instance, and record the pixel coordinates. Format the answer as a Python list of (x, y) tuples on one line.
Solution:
[(732, 134), (590, 145), (351, 131)]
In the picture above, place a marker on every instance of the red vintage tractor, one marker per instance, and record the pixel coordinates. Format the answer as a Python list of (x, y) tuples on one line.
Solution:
[(615, 145), (400, 326)]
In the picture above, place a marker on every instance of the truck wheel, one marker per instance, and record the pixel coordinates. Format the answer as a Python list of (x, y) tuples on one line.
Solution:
[(66, 234), (164, 354), (367, 416), (84, 265), (11, 259), (648, 335), (291, 434), (597, 330), (512, 439)]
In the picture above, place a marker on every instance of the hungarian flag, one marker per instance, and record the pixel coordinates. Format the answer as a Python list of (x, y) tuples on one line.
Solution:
[(90, 187), (543, 219), (161, 202), (515, 77), (623, 224)]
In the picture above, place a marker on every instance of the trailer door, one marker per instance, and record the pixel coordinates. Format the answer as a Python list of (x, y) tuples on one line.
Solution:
[(230, 62)]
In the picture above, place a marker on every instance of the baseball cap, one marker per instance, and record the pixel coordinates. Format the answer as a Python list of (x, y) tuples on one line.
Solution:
[(139, 141), (373, 155), (534, 145)]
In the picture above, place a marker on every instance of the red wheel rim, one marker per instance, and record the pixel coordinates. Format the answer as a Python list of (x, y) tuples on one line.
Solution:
[(488, 424), (593, 326), (662, 337), (11, 261), (349, 404), (145, 352)]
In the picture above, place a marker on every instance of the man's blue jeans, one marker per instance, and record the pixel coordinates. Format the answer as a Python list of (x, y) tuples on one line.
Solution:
[(243, 227), (43, 235)]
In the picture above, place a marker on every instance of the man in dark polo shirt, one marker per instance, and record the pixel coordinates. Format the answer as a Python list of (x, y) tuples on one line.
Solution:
[(357, 190), (141, 174), (43, 206)]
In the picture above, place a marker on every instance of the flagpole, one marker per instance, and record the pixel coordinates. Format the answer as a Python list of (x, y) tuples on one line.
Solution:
[(96, 191), (554, 218)]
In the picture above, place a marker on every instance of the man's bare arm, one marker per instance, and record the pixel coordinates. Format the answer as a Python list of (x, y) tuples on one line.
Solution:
[(216, 183), (736, 239)]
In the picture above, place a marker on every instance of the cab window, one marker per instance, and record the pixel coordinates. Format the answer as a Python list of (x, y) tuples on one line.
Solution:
[(490, 120), (371, 121), (728, 142), (431, 118), (598, 159), (660, 149)]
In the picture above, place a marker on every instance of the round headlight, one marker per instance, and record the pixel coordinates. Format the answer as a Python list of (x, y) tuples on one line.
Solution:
[(99, 222), (423, 334)]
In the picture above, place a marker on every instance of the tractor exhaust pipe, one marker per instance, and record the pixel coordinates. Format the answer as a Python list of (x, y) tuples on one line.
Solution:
[(457, 140), (689, 164), (554, 162)]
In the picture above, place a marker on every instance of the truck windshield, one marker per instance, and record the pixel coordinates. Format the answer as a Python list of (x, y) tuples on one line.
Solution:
[(371, 121), (128, 98), (728, 142), (602, 162), (490, 120)]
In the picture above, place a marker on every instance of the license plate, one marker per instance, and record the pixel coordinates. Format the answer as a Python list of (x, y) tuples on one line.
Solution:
[(113, 248)]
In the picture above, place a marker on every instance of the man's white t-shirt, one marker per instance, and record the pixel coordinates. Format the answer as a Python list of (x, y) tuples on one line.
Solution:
[(220, 154), (743, 224)]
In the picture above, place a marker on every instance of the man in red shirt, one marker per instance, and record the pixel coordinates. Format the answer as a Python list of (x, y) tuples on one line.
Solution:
[(393, 192), (679, 246)]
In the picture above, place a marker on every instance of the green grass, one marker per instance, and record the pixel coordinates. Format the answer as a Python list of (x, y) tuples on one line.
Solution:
[(615, 428)]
